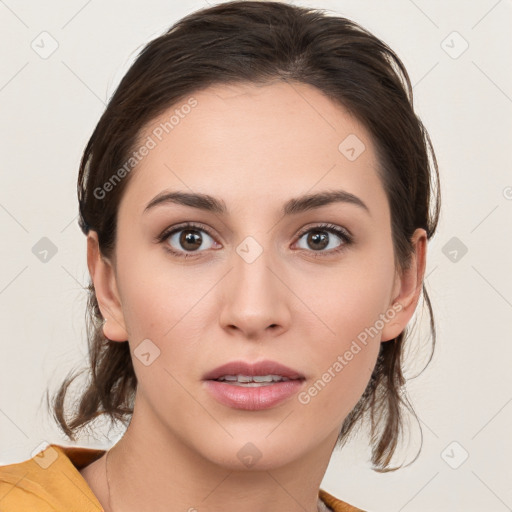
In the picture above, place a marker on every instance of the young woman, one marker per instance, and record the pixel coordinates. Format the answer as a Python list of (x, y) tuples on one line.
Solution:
[(257, 200)]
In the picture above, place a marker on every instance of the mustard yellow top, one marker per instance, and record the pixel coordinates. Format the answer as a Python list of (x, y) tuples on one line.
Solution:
[(50, 482)]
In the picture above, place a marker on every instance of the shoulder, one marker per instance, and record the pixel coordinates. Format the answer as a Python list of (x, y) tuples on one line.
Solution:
[(335, 504), (22, 487), (47, 482)]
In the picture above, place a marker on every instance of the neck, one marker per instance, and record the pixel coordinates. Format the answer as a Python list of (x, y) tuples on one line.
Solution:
[(161, 473)]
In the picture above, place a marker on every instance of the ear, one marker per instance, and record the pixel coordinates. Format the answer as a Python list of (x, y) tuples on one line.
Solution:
[(104, 280), (407, 288)]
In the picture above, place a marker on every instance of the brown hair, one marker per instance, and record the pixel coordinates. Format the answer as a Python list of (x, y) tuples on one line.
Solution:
[(258, 42)]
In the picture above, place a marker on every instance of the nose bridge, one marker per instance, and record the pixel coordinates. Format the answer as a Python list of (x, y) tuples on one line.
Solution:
[(254, 299)]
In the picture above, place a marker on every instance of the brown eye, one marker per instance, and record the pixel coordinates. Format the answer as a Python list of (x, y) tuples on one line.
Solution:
[(187, 239), (327, 238), (190, 240), (318, 240)]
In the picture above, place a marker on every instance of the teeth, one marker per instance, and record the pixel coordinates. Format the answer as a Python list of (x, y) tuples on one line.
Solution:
[(252, 379), (250, 384)]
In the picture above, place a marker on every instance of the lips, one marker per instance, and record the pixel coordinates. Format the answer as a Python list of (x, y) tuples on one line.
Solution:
[(260, 368)]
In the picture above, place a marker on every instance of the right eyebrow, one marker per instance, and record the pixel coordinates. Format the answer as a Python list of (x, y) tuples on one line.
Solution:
[(194, 200)]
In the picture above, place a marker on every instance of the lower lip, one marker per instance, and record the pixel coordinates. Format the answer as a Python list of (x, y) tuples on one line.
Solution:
[(253, 398)]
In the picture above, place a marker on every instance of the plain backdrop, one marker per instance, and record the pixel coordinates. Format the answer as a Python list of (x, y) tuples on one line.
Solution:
[(458, 57)]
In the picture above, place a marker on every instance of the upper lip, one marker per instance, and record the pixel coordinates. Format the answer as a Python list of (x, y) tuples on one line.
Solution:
[(266, 367)]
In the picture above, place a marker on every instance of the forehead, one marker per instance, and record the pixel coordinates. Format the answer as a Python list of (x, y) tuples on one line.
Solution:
[(248, 142)]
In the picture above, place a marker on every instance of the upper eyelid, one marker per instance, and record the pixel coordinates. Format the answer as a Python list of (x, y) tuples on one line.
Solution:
[(187, 225), (327, 226)]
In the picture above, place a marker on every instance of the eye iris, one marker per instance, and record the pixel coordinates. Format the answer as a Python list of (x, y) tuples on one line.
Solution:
[(319, 239), (190, 239)]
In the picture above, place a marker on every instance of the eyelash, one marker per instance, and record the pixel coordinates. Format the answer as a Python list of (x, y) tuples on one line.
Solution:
[(330, 228)]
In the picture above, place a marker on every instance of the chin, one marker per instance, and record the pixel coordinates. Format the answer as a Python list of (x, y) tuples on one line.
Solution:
[(253, 453)]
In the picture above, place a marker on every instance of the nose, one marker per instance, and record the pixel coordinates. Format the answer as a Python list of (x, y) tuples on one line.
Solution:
[(255, 301)]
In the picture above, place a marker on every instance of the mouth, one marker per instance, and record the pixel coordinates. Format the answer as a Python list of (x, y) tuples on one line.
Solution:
[(255, 381), (263, 372), (252, 387)]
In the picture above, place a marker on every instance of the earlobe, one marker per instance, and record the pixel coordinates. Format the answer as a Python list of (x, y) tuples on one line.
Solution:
[(410, 283), (104, 281)]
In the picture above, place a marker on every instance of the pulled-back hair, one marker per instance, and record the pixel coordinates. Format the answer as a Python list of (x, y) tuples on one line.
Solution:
[(261, 42)]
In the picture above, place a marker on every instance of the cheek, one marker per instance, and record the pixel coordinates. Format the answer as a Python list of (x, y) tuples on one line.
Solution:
[(149, 292), (351, 306), (350, 298), (345, 356), (166, 303)]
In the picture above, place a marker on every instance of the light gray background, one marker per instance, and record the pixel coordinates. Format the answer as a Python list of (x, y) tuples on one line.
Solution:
[(49, 107)]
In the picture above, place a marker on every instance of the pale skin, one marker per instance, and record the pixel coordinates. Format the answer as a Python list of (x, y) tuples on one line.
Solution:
[(254, 148)]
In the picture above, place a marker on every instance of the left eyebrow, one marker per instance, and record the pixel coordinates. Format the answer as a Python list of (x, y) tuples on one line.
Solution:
[(291, 207), (311, 201)]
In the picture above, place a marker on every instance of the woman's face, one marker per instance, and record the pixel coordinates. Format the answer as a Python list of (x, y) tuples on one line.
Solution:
[(259, 280)]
